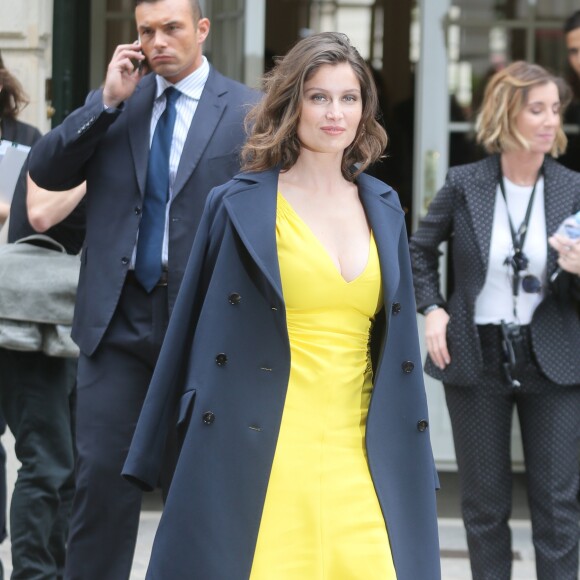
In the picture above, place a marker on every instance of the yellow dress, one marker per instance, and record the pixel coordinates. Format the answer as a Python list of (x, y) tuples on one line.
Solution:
[(322, 519)]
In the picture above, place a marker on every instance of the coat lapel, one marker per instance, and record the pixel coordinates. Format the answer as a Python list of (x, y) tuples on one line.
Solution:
[(139, 121), (386, 221), (257, 230), (207, 115), (480, 198), (253, 213)]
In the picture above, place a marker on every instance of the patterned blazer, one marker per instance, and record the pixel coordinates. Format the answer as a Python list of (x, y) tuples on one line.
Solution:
[(462, 213)]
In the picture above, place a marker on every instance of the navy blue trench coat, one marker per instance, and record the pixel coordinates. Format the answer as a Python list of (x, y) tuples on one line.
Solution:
[(223, 372)]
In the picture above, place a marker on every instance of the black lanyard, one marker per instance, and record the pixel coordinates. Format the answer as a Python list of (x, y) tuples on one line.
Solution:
[(519, 262), (519, 237)]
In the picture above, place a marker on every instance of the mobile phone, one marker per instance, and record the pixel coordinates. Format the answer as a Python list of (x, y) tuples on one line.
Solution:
[(141, 65)]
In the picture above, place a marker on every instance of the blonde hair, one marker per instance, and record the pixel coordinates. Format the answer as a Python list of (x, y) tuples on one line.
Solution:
[(272, 124), (505, 97)]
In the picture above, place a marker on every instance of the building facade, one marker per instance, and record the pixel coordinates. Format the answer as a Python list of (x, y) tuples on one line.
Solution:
[(431, 59)]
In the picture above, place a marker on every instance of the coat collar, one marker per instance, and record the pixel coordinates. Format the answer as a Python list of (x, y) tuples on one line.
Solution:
[(252, 209), (480, 199), (208, 113)]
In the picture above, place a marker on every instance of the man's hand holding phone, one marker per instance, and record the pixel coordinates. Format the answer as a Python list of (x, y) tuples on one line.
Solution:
[(141, 65), (125, 70)]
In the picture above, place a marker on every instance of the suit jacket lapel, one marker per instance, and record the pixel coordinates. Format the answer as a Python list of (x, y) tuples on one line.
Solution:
[(207, 115), (480, 198), (558, 203), (139, 120)]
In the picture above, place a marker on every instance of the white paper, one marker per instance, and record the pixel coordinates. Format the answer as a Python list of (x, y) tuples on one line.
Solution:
[(12, 158)]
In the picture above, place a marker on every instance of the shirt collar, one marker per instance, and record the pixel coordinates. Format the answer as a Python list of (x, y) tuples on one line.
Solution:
[(191, 86)]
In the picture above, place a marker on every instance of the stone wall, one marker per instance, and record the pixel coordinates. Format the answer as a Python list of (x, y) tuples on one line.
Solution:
[(26, 43)]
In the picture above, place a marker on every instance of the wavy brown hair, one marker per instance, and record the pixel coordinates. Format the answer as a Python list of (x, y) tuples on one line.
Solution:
[(506, 95), (12, 96), (272, 124)]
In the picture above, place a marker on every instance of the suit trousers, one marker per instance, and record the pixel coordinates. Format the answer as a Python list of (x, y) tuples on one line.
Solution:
[(549, 416), (111, 387), (36, 393)]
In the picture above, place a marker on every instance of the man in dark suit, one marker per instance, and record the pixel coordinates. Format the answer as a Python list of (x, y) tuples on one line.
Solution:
[(140, 229)]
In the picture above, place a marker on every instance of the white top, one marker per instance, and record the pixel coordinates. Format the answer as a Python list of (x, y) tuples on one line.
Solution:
[(495, 301)]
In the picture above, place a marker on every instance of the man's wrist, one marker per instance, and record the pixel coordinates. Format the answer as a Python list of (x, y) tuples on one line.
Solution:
[(430, 308)]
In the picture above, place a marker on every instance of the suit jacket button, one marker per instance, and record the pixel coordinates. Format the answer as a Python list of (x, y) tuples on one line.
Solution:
[(422, 425), (124, 260), (208, 417), (221, 359), (396, 307), (407, 366), (137, 210), (234, 298)]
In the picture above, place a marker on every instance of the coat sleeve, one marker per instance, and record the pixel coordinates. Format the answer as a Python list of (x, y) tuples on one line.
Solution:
[(434, 228), (146, 454)]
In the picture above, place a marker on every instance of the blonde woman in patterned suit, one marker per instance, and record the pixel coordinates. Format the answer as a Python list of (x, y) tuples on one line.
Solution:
[(506, 274)]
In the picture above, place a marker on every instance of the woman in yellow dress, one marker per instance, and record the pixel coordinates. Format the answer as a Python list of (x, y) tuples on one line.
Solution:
[(305, 454)]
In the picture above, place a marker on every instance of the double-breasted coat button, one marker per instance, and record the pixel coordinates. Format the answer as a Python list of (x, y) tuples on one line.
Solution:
[(221, 359), (396, 307), (124, 260), (208, 417), (234, 298), (422, 425), (408, 366)]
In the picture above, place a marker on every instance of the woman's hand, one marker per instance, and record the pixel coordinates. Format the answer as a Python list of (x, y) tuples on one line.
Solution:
[(436, 337), (568, 253)]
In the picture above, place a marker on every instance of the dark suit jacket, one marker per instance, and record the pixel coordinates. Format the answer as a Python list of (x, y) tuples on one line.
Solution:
[(110, 149), (462, 212), (231, 304)]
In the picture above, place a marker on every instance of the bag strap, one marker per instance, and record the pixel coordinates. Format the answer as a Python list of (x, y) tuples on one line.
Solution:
[(44, 239)]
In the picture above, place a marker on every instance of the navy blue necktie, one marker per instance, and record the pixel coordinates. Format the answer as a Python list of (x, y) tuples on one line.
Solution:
[(152, 227)]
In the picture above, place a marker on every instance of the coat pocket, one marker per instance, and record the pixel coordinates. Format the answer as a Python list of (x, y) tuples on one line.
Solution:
[(184, 416)]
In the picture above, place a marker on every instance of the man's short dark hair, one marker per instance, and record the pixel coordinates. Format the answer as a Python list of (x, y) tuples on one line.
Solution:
[(195, 7), (572, 22)]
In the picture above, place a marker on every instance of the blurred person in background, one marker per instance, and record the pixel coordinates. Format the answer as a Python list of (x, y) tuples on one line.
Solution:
[(37, 400), (12, 100), (571, 158), (508, 336)]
